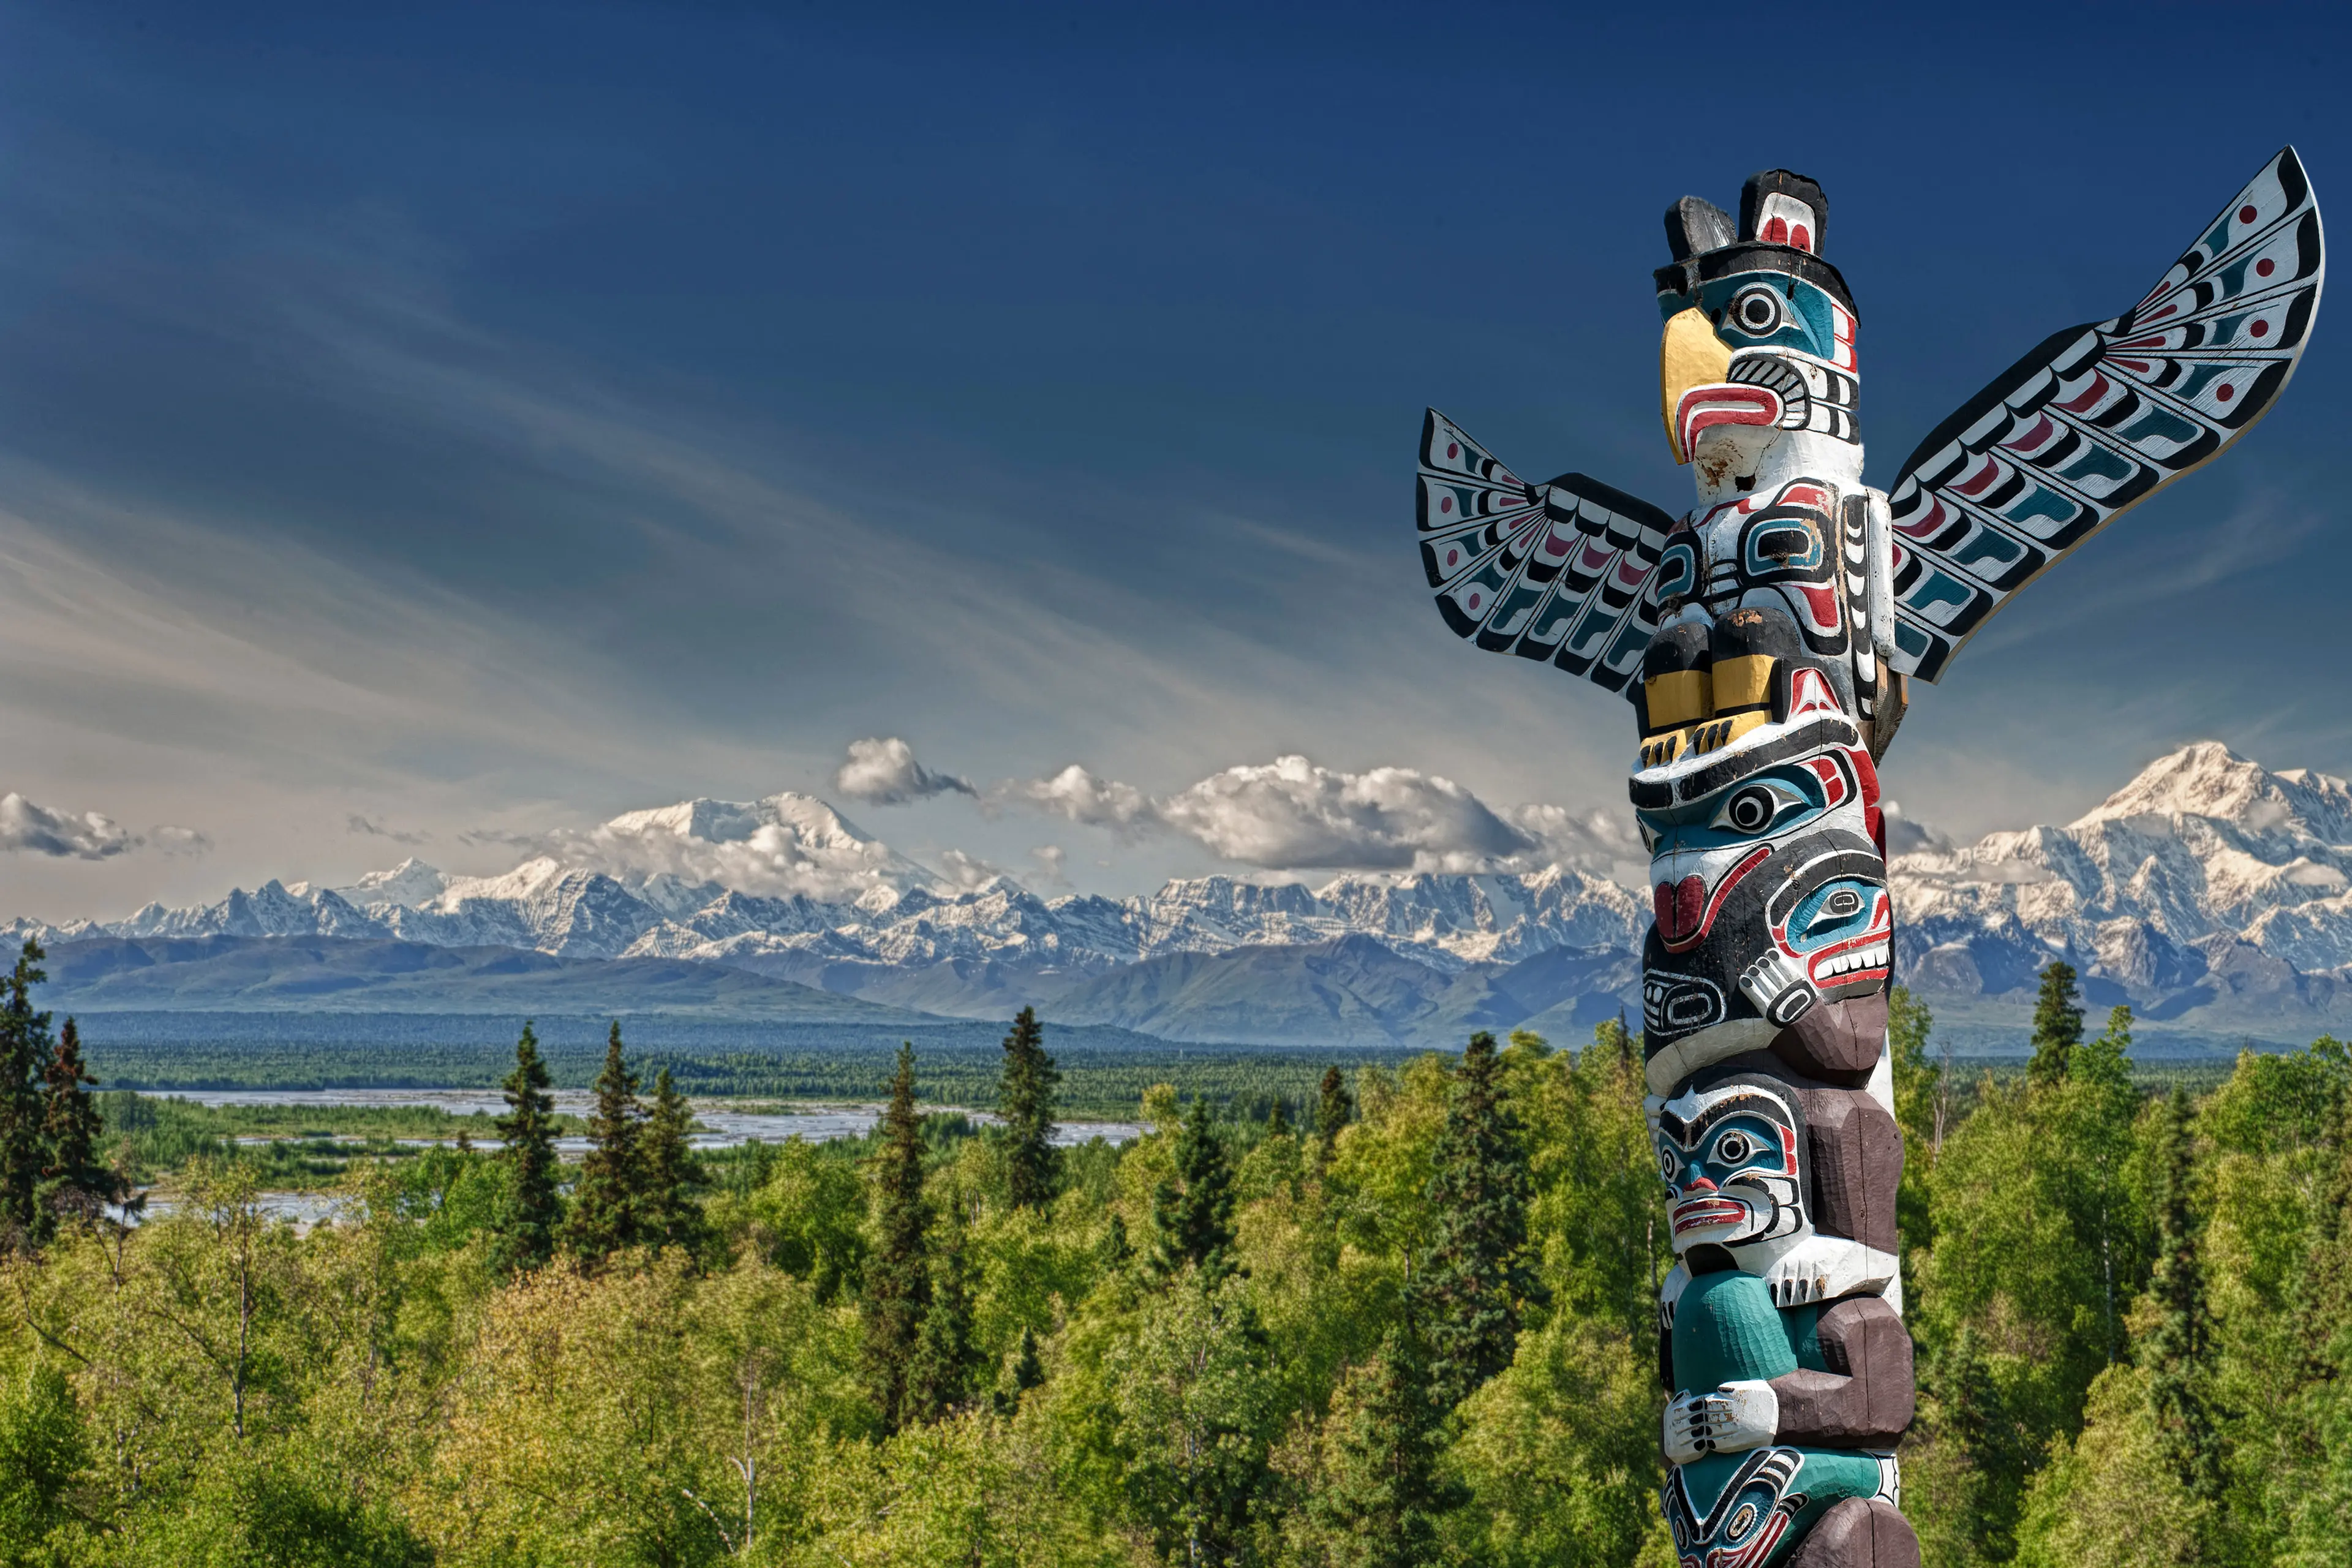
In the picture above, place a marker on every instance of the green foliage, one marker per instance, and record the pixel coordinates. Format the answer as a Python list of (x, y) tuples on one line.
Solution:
[(1334, 1107), (671, 1179), (2057, 1023), (1476, 1272), (896, 1295), (76, 1181), (1025, 1097), (42, 1449), (608, 1201), (1373, 1497), (1193, 1211), (529, 1219), (25, 1050), (2176, 1350), (2134, 1323), (1196, 1400)]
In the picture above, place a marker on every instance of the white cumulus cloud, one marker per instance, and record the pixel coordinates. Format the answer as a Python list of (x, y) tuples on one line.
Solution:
[(1905, 835), (967, 873), (1290, 815), (1082, 797), (31, 829), (1599, 840), (882, 771)]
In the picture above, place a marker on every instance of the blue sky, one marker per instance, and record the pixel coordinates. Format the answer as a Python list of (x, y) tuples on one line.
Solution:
[(423, 431)]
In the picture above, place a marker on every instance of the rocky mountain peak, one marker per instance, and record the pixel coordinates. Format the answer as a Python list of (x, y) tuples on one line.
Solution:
[(2209, 780)]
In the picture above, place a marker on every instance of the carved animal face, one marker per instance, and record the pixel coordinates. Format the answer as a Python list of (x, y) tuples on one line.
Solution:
[(1758, 349), (1751, 1516), (1730, 1157)]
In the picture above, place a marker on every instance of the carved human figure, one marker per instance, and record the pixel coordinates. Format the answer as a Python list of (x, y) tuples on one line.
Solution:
[(1766, 639), (1789, 1370)]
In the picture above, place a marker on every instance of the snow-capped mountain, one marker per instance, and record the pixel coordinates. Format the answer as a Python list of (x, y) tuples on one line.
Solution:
[(2207, 888), (2213, 895), (702, 880)]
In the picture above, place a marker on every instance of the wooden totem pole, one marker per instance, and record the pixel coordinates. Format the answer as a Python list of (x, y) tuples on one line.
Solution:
[(1766, 639)]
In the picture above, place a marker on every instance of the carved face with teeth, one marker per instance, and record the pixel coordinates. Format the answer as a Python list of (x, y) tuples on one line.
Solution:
[(1762, 695), (1768, 884), (1730, 1157)]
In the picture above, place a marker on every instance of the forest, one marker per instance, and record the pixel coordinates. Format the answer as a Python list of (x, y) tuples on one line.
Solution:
[(1404, 1318)]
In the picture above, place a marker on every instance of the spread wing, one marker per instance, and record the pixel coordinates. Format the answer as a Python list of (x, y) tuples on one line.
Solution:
[(2101, 416), (1559, 571)]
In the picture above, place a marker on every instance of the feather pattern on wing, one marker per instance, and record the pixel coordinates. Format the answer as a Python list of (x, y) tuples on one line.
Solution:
[(2100, 417), (1561, 571)]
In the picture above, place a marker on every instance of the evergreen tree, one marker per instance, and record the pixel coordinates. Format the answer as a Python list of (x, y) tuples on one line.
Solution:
[(1025, 1096), (2177, 1351), (2057, 1025), (75, 1185), (1028, 1366), (1194, 1214), (946, 1356), (1334, 1109), (1965, 1406), (528, 1218), (673, 1177), (1378, 1498), (1918, 1090), (1476, 1271), (608, 1204), (1114, 1252), (24, 1049), (1277, 1119), (2094, 1121), (896, 1294)]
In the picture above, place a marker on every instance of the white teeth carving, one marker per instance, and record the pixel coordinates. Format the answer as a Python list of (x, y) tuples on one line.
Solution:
[(1849, 963)]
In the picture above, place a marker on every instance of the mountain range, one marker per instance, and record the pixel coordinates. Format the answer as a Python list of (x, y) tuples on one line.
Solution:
[(2212, 895)]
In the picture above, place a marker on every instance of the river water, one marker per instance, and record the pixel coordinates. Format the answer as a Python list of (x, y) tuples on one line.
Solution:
[(723, 1127)]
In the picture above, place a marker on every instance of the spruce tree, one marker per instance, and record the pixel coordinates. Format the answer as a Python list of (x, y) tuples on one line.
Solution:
[(2177, 1351), (2057, 1025), (608, 1204), (673, 1177), (947, 1357), (75, 1183), (1476, 1272), (1194, 1214), (1025, 1096), (24, 1048), (897, 1292), (1967, 1408), (1028, 1366), (1114, 1252), (1334, 1107), (532, 1209), (1378, 1498)]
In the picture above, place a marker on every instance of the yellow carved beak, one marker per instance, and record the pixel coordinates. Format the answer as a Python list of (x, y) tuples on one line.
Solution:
[(1689, 355)]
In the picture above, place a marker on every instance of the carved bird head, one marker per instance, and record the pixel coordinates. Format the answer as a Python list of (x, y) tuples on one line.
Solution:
[(1756, 367)]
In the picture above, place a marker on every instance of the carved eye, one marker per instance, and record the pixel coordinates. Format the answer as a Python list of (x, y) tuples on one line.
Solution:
[(1841, 905), (1734, 1149), (1780, 543), (1748, 810), (1669, 1164), (1757, 311)]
